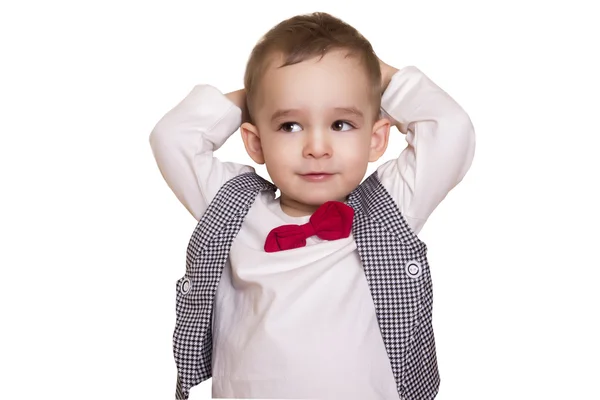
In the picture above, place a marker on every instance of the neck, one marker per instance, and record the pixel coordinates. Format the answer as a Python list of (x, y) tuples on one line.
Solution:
[(295, 208)]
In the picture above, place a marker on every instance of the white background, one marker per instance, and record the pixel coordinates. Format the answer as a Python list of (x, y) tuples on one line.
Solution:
[(92, 239)]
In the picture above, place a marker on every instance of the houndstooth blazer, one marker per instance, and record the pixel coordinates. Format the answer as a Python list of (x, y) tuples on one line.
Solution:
[(393, 258)]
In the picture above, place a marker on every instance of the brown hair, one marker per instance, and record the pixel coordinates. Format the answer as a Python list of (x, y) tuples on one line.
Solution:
[(307, 36)]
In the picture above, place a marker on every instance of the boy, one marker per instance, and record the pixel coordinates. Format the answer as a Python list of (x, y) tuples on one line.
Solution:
[(323, 292)]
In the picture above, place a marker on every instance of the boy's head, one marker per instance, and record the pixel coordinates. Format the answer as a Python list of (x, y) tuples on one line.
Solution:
[(313, 87)]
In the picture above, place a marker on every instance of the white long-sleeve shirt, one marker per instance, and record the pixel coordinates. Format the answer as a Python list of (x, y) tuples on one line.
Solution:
[(301, 323)]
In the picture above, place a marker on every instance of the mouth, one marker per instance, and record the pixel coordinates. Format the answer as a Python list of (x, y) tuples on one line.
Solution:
[(316, 176)]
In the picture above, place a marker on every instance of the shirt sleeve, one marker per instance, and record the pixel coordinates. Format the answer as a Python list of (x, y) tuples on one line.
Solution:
[(440, 144), (184, 140)]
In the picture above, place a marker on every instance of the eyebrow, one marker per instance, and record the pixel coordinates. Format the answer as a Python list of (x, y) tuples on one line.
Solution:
[(345, 110), (350, 110), (283, 113)]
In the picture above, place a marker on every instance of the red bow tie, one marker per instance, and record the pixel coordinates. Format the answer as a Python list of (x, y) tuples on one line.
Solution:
[(331, 221)]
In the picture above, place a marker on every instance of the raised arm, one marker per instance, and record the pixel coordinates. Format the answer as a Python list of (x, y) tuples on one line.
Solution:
[(184, 140), (441, 144)]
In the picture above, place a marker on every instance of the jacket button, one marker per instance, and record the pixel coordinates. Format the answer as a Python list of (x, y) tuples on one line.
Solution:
[(413, 269), (185, 286)]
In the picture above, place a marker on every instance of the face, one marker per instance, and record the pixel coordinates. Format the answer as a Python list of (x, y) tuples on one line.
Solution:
[(315, 130)]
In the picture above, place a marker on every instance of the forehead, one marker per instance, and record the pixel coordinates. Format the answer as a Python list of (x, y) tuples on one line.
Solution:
[(336, 80)]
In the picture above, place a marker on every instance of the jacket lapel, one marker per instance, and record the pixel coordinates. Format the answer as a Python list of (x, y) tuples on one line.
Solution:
[(393, 259)]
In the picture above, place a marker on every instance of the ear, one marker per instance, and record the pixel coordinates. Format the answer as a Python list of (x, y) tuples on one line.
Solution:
[(251, 138), (379, 139)]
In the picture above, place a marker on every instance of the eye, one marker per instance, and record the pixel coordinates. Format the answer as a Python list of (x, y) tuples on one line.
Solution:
[(289, 127), (339, 126)]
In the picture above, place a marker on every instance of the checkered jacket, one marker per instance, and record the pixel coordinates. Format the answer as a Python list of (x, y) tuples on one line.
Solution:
[(393, 258)]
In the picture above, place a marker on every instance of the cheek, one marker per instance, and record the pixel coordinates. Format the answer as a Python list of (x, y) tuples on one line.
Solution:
[(276, 150), (353, 147)]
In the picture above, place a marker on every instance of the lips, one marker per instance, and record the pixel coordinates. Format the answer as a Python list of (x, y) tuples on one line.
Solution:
[(316, 176)]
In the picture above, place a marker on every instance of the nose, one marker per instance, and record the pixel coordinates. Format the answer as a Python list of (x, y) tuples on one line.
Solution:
[(317, 144)]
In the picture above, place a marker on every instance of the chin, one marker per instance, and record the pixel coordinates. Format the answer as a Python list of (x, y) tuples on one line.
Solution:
[(315, 194)]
